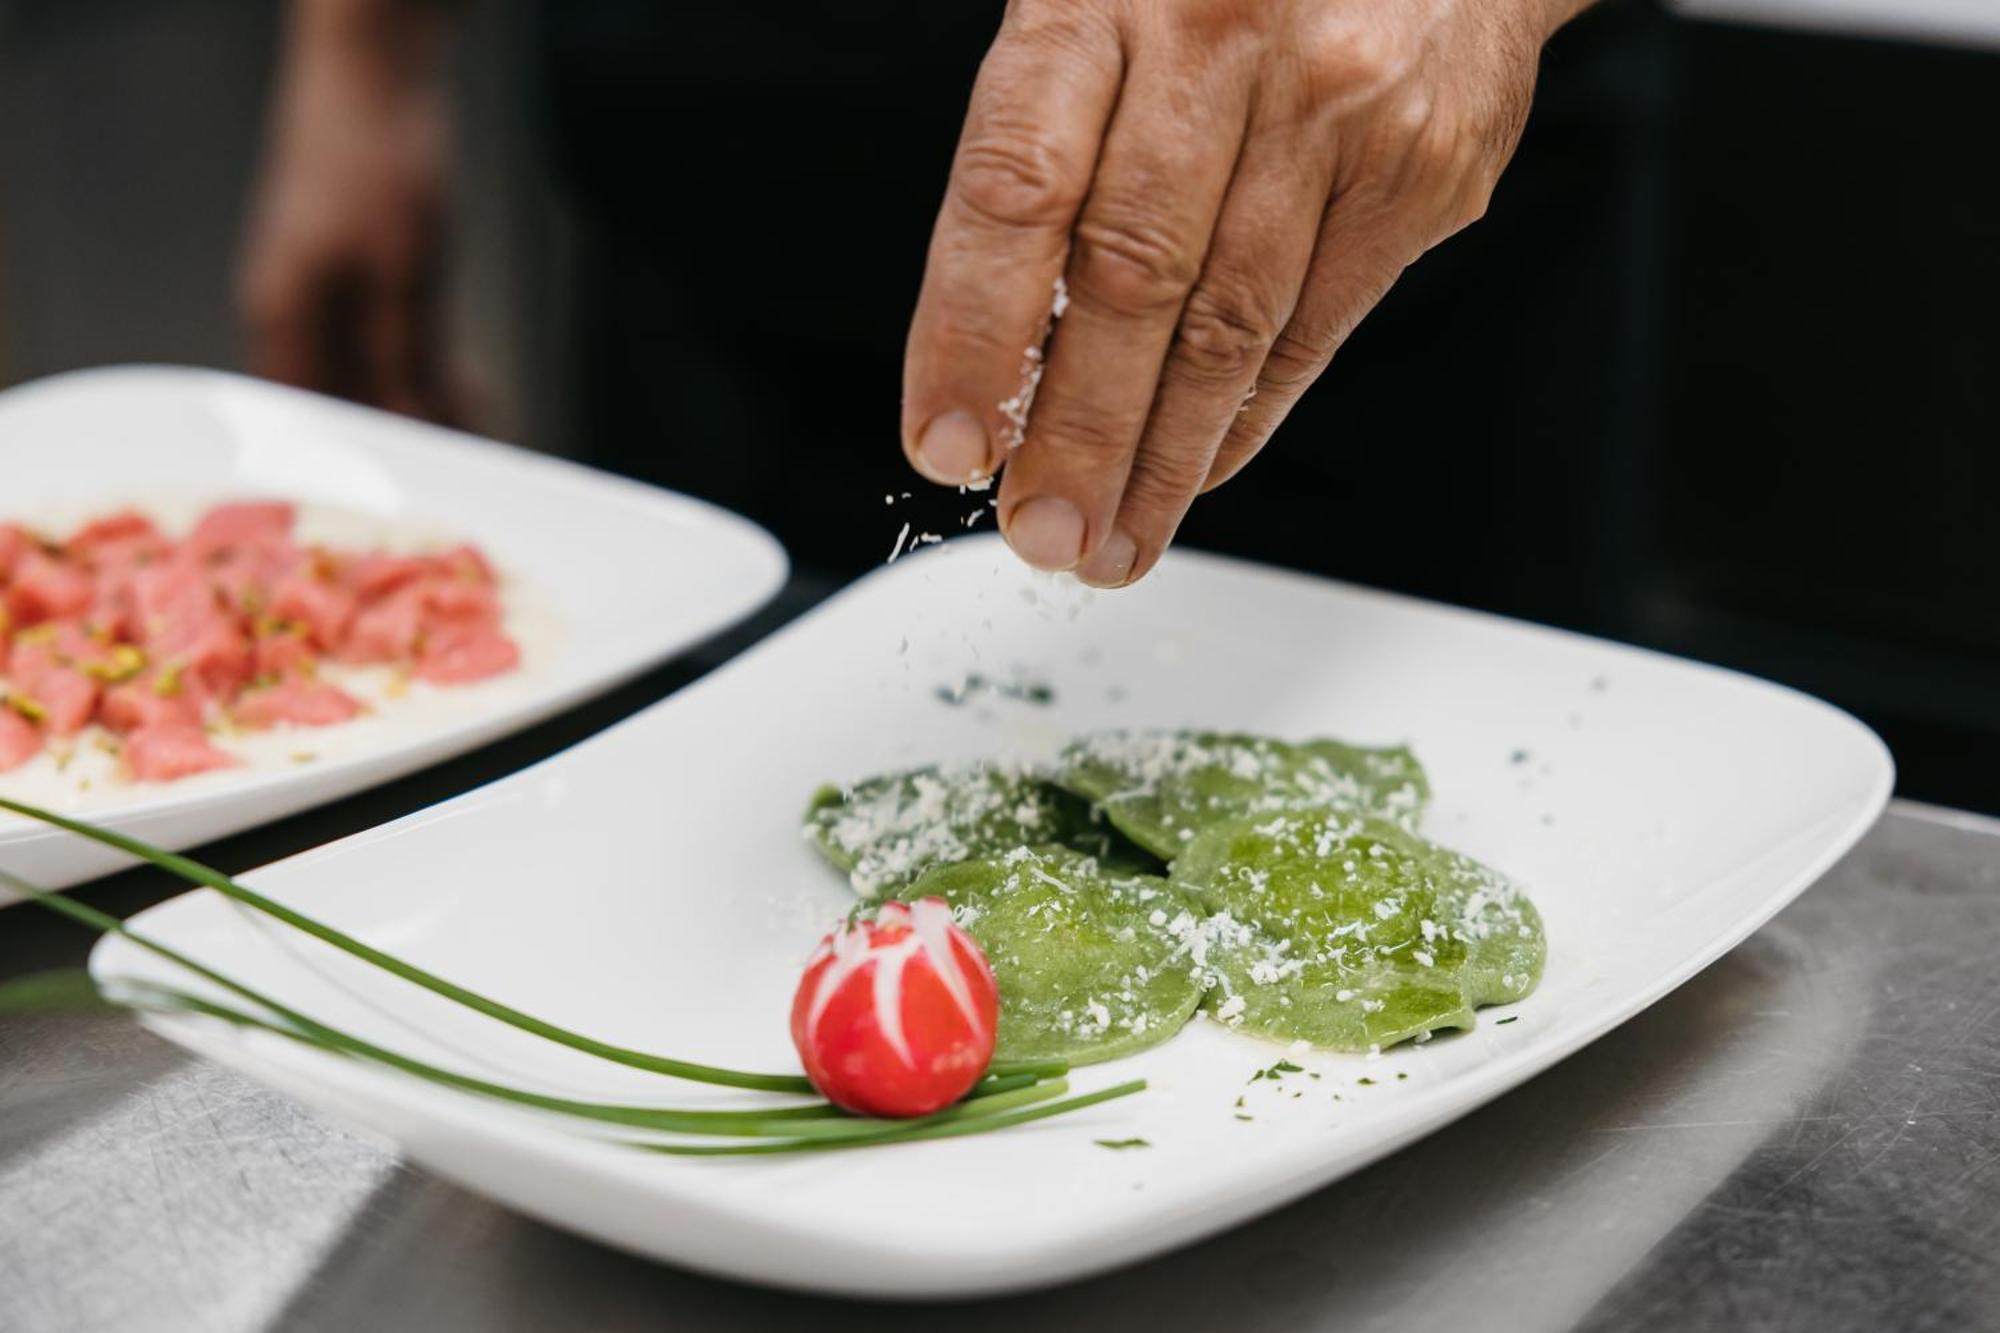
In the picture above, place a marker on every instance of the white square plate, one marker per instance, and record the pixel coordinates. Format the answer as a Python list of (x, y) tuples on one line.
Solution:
[(626, 574), (650, 887)]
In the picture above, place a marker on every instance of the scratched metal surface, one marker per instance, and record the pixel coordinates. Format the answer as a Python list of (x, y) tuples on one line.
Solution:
[(1806, 1136)]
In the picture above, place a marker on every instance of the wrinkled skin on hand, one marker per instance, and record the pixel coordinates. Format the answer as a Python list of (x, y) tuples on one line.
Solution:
[(1221, 189)]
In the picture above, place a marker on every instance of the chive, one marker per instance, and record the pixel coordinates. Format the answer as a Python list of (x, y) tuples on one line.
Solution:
[(819, 1119), (196, 873), (66, 990), (907, 1134)]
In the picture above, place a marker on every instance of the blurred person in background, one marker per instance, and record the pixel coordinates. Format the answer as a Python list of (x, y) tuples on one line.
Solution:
[(1229, 186)]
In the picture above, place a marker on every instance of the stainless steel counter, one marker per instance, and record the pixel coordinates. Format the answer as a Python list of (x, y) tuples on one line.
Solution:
[(1805, 1136)]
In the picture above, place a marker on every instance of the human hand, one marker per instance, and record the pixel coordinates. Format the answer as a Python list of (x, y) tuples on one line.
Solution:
[(339, 285), (1219, 190)]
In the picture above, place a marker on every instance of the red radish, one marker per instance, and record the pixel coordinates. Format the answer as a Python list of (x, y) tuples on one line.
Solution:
[(896, 1016)]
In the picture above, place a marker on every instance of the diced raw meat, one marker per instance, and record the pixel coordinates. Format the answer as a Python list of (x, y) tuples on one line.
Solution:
[(75, 643), (324, 607), (167, 593), (122, 538), (244, 577), (468, 655), (460, 601), (139, 703), (374, 576), (282, 652), (255, 523), (123, 626), (121, 526), (298, 702), (20, 741), (45, 588), (63, 696), (466, 562), (389, 630), (163, 753), (212, 654), (15, 542)]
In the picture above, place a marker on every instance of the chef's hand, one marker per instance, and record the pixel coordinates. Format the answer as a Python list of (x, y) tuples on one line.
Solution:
[(1225, 187), (339, 284)]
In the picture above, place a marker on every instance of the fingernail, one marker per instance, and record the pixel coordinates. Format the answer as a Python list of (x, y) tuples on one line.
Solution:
[(952, 449), (1112, 566), (1047, 532)]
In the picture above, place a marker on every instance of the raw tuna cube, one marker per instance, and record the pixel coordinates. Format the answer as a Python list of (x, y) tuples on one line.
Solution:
[(139, 704), (244, 578), (20, 741), (374, 576), (78, 643), (15, 542), (389, 630), (324, 607), (283, 652), (176, 750), (298, 702), (466, 562), (165, 594), (121, 534), (45, 588), (457, 601), (212, 655), (256, 523), (63, 696), (455, 658)]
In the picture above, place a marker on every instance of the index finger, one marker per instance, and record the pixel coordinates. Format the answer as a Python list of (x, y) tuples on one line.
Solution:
[(1024, 162)]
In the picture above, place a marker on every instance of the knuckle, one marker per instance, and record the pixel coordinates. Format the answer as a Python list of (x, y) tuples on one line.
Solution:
[(1296, 359), (1223, 337), (1160, 487), (1076, 430), (1013, 177), (1132, 265), (1346, 59)]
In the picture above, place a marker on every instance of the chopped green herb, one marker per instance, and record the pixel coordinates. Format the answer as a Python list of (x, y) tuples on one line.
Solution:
[(1241, 1116), (1504, 1021), (1365, 1082), (1122, 1143), (1278, 1071)]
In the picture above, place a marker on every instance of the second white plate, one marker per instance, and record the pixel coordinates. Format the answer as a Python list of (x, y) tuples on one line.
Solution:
[(628, 574)]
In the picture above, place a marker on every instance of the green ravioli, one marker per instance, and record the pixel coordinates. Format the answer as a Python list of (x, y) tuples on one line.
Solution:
[(885, 831), (1351, 932), (1091, 963), (1162, 788)]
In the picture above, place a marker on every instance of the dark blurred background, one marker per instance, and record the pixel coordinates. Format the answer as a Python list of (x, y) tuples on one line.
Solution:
[(1718, 374)]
